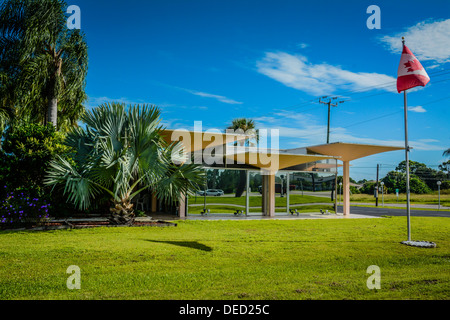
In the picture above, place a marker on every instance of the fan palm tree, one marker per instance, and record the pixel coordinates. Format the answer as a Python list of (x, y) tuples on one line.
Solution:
[(46, 63), (121, 153), (246, 126), (7, 111)]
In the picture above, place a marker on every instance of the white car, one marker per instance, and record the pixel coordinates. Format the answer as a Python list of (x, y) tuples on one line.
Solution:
[(214, 192)]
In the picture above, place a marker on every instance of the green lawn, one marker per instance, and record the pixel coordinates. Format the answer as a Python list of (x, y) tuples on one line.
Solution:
[(415, 198), (251, 259)]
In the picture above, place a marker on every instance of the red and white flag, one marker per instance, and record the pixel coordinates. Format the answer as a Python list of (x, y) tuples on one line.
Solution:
[(410, 72)]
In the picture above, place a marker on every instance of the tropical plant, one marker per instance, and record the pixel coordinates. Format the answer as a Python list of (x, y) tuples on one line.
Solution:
[(247, 126), (446, 152), (121, 153), (43, 64), (7, 113), (445, 166)]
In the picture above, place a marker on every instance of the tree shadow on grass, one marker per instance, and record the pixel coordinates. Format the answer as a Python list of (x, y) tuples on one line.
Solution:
[(187, 244)]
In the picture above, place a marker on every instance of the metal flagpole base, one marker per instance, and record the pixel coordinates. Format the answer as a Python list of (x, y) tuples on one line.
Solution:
[(420, 244)]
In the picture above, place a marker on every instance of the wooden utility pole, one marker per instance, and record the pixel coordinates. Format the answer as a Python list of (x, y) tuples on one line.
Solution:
[(329, 104), (376, 187)]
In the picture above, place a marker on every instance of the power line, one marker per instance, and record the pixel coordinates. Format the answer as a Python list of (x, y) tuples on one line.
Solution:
[(365, 89), (329, 104), (376, 118), (357, 91), (310, 102), (390, 114)]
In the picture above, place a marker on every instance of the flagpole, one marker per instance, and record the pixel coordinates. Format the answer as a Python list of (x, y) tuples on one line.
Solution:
[(410, 74), (408, 195), (408, 209)]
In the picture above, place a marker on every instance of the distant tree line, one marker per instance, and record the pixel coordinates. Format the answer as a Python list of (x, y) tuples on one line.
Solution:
[(422, 179)]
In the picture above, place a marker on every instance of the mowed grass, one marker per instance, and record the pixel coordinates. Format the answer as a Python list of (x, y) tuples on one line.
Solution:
[(251, 259), (415, 198)]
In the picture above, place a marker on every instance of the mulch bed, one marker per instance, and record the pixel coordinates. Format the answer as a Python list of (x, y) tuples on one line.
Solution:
[(90, 224)]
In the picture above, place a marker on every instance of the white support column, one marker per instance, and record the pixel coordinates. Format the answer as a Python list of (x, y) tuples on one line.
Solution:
[(288, 191), (247, 193), (271, 195), (346, 187), (263, 194), (182, 206), (268, 193)]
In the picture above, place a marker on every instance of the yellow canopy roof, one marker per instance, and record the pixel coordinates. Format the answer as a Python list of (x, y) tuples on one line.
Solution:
[(322, 166), (350, 151), (274, 161), (194, 141)]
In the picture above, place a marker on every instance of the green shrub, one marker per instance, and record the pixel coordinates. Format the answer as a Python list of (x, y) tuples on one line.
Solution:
[(397, 180), (22, 209), (368, 187), (354, 190), (27, 149)]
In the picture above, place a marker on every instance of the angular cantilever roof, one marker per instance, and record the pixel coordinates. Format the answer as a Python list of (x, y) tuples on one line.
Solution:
[(274, 160), (201, 140), (350, 151)]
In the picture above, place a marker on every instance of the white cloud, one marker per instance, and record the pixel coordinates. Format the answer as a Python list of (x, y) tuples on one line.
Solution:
[(427, 140), (428, 40), (214, 96), (418, 109), (295, 71), (203, 94)]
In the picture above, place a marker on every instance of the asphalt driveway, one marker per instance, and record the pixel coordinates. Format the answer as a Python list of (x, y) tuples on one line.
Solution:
[(380, 211)]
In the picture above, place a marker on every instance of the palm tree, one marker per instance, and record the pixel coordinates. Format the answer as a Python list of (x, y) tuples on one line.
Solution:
[(121, 153), (247, 126), (446, 152), (46, 63), (7, 112)]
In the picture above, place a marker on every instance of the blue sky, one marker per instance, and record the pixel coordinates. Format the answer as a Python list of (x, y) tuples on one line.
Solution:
[(271, 61)]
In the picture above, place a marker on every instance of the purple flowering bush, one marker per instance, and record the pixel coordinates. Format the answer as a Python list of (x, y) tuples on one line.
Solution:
[(20, 209)]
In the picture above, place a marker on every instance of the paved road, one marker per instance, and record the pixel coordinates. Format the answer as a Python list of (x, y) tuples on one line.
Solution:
[(374, 211)]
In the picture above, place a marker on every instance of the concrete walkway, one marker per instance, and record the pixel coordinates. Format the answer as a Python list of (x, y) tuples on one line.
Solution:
[(400, 212), (278, 216), (370, 204)]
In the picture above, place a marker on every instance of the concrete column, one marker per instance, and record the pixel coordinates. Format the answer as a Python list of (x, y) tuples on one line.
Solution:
[(270, 195), (263, 195), (247, 193), (346, 188), (288, 191), (182, 206)]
